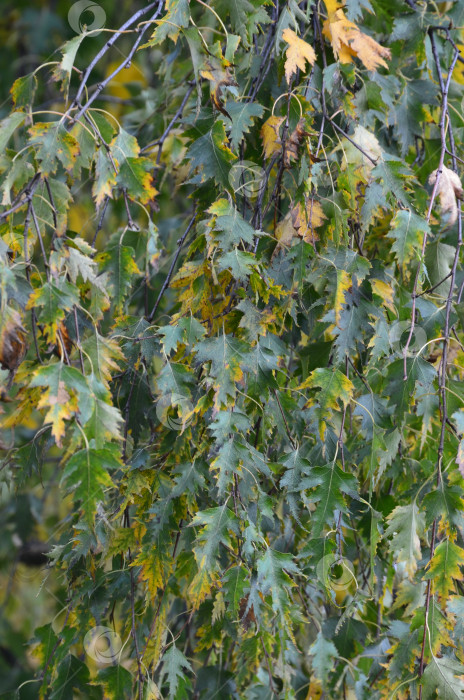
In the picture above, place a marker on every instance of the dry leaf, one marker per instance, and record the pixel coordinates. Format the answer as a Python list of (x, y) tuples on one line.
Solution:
[(270, 135), (298, 53), (348, 40), (285, 232), (12, 341), (300, 221), (219, 78), (63, 339), (306, 217), (293, 141), (449, 190), (369, 144), (460, 457)]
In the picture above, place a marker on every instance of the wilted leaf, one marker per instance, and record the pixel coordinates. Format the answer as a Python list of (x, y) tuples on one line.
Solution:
[(449, 189), (12, 339)]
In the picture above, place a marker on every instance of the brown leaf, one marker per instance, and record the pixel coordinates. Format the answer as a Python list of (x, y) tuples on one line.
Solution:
[(63, 339), (219, 77), (449, 190), (12, 340), (246, 616), (292, 143), (306, 217)]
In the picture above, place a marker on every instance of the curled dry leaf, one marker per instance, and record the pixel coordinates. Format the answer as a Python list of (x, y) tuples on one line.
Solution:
[(348, 40), (369, 144), (449, 190), (272, 141), (12, 340), (298, 53), (220, 77), (293, 141), (64, 341), (301, 220), (270, 136), (306, 217)]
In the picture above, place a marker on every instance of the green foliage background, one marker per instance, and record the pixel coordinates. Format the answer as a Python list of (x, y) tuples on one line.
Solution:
[(231, 401)]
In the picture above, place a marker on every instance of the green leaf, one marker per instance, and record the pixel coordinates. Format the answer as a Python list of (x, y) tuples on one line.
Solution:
[(439, 259), (52, 143), (53, 299), (440, 676), (23, 91), (323, 652), (245, 16), (8, 127), (242, 116), (87, 473), (72, 674), (217, 524), (407, 230), (173, 670), (186, 330), (406, 526), (117, 682), (228, 220), (274, 580), (62, 72), (177, 16), (330, 483), (239, 263), (120, 263), (212, 156), (229, 358)]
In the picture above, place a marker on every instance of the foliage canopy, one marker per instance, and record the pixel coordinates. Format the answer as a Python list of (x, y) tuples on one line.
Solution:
[(231, 340)]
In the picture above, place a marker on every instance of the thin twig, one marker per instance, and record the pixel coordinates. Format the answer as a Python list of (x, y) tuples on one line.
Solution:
[(167, 281)]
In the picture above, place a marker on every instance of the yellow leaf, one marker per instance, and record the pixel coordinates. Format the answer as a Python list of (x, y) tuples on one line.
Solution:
[(270, 135), (314, 690), (156, 567), (385, 292), (343, 285), (285, 232), (61, 407), (306, 217), (201, 585), (335, 388), (445, 567), (348, 40), (219, 607), (332, 6), (298, 53)]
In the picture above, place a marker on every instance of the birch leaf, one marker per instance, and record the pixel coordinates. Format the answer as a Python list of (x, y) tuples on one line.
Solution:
[(449, 190), (270, 135), (348, 41), (298, 53)]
